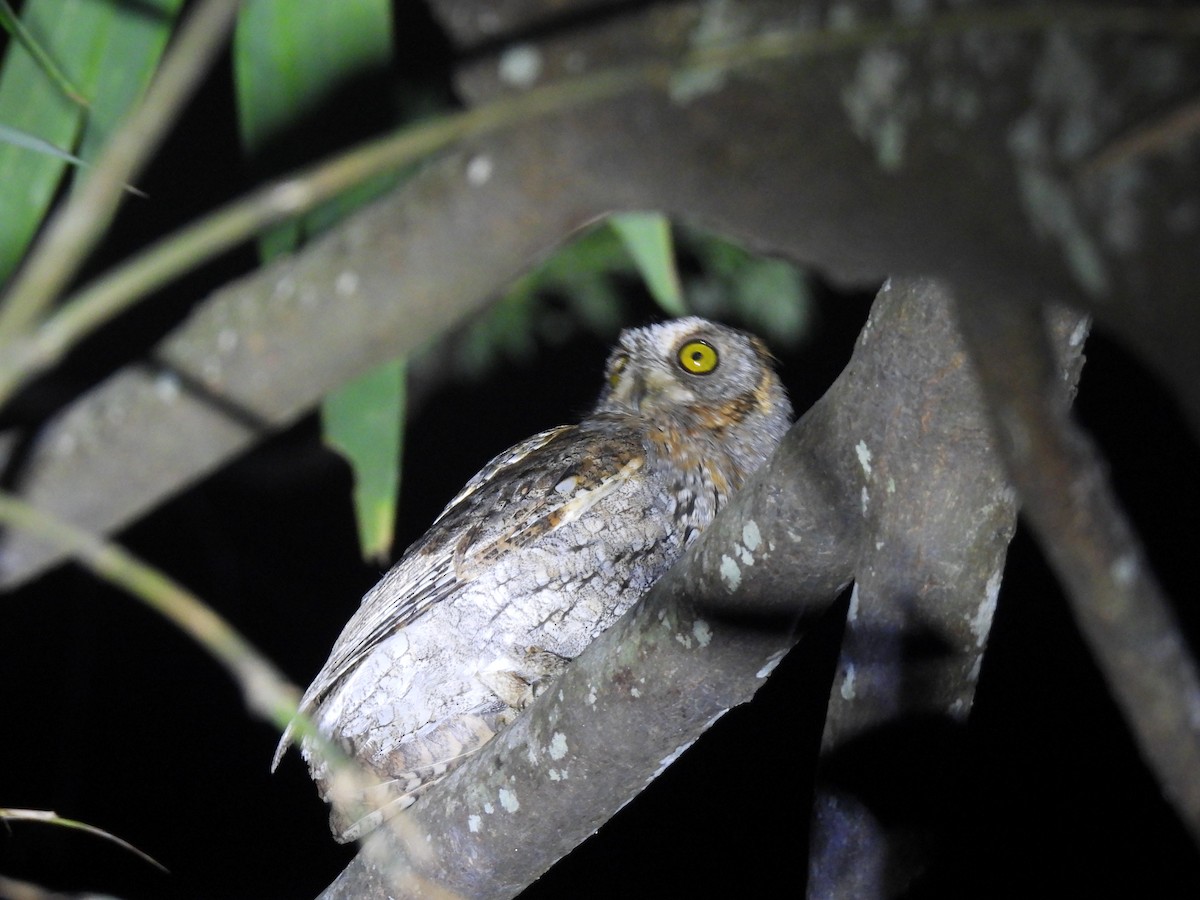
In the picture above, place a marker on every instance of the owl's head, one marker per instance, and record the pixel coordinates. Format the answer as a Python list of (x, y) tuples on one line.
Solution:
[(712, 376)]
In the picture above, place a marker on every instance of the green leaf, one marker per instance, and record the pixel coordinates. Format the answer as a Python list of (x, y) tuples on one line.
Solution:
[(104, 50), (36, 144), (136, 39), (647, 237), (364, 423), (14, 26), (773, 296), (580, 273), (288, 57), (777, 291)]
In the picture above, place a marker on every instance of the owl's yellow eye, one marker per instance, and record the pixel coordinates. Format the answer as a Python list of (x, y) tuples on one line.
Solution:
[(615, 370), (698, 357)]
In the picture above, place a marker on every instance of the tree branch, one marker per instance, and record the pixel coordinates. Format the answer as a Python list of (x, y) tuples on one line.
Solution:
[(1120, 608), (704, 638), (75, 229), (933, 156), (243, 367), (928, 578)]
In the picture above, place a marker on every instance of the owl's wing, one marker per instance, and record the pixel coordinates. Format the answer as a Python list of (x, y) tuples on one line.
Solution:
[(524, 493)]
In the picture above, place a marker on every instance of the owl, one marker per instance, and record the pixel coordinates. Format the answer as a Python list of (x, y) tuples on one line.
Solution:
[(538, 554)]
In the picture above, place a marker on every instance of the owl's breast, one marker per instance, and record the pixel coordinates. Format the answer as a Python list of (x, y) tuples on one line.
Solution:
[(696, 473)]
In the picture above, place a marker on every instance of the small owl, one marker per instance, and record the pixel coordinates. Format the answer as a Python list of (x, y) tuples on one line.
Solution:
[(538, 554)]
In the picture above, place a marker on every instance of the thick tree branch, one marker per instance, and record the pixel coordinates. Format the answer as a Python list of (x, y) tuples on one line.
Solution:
[(387, 282), (854, 483), (928, 577), (947, 156), (1070, 505)]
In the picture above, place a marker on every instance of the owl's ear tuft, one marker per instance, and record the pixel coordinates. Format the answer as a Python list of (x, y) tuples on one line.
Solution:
[(761, 348)]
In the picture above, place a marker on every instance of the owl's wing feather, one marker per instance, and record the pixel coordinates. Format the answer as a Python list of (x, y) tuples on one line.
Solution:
[(509, 459), (523, 494)]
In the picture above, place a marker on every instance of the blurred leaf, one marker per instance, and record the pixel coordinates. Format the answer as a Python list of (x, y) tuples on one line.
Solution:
[(725, 281), (107, 51), (364, 423), (647, 237), (598, 305), (772, 296), (14, 26), (288, 56), (506, 331), (591, 259), (128, 59), (52, 818), (36, 144), (579, 273)]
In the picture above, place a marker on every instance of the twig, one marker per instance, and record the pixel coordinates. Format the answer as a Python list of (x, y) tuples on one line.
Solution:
[(287, 198), (50, 817), (268, 694), (300, 192), (76, 228), (266, 691), (1149, 139)]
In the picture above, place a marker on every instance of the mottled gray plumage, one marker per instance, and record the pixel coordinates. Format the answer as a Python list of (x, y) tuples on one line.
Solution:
[(539, 553)]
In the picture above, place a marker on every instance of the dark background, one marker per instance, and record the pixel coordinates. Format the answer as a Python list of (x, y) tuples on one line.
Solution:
[(112, 717)]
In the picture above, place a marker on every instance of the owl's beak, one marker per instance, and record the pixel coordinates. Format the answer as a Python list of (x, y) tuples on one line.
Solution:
[(652, 388), (640, 391), (637, 392), (630, 391)]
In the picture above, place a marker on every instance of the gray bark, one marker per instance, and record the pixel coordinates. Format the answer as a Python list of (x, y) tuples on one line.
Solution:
[(927, 580), (1070, 504), (988, 155), (709, 633)]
